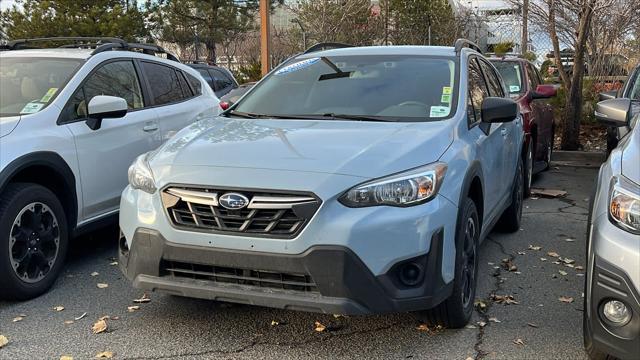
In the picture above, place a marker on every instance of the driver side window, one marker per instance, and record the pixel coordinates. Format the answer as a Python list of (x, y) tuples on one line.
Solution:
[(117, 78)]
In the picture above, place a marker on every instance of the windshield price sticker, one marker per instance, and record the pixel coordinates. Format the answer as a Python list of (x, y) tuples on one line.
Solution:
[(49, 95), (439, 111), (32, 107), (297, 66)]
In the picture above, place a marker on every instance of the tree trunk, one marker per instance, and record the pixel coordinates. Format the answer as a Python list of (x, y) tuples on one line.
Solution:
[(573, 109), (211, 51)]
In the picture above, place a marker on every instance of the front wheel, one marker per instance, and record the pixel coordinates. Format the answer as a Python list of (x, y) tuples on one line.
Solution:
[(457, 309), (33, 241)]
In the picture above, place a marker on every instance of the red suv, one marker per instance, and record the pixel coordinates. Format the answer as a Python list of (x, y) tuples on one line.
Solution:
[(525, 86)]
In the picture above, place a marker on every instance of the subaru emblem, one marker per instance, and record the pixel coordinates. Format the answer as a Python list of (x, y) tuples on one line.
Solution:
[(233, 201)]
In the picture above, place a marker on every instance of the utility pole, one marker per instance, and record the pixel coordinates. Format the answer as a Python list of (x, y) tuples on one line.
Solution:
[(524, 45), (265, 37)]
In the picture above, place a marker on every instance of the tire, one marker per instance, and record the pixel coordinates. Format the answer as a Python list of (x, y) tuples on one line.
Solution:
[(528, 170), (456, 310), (592, 352), (512, 216), (547, 159), (33, 241)]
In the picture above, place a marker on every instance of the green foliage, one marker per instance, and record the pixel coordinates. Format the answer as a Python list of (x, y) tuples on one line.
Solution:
[(530, 55), (590, 96), (47, 18), (409, 22), (502, 48), (249, 72)]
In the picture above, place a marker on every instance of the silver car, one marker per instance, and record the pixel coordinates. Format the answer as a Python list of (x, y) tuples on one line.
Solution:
[(612, 287)]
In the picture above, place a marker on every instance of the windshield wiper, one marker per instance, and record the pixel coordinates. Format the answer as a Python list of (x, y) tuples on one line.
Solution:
[(242, 114), (358, 117)]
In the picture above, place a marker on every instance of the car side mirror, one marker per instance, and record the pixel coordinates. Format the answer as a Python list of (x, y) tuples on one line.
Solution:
[(544, 91), (614, 112), (608, 95), (105, 107), (499, 110)]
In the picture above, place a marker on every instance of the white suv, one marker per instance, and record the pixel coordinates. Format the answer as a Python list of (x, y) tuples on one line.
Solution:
[(72, 120)]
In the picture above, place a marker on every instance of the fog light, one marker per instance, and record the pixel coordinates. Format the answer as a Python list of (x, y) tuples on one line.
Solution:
[(410, 274), (616, 312)]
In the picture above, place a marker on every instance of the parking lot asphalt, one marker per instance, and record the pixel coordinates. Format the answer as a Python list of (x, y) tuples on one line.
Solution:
[(539, 326)]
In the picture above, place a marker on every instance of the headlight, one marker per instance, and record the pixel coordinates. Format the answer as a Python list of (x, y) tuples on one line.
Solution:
[(140, 175), (624, 204), (408, 188)]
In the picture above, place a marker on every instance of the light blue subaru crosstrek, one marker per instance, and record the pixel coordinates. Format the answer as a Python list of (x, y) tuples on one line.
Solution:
[(352, 180)]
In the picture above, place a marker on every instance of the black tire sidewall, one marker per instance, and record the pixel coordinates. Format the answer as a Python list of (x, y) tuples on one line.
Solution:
[(15, 198)]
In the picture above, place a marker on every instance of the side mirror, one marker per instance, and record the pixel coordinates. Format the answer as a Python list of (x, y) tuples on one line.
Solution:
[(544, 91), (614, 112), (105, 107), (499, 110), (608, 95)]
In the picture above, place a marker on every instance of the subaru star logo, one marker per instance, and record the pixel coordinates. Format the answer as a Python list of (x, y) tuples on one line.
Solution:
[(233, 201)]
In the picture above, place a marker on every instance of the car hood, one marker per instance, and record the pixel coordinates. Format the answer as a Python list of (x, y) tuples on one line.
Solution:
[(631, 155), (366, 149), (7, 124)]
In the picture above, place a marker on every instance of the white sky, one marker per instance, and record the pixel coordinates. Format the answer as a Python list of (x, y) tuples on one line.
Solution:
[(5, 4)]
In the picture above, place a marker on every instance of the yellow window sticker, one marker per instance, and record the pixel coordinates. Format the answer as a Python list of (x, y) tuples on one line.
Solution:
[(49, 95), (446, 90), (31, 108)]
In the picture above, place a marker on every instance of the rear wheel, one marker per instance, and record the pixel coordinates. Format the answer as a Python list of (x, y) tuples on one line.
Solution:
[(33, 240), (512, 216), (456, 310)]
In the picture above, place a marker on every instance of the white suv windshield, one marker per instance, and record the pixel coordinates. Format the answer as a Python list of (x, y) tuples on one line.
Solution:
[(27, 85), (363, 87)]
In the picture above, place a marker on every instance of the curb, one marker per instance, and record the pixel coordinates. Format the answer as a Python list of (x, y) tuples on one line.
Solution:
[(579, 156)]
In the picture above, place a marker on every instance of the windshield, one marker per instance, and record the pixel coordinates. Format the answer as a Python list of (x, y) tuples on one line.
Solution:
[(511, 73), (367, 87), (27, 85)]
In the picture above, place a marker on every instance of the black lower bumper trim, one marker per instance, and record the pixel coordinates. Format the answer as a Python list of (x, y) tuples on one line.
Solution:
[(344, 283)]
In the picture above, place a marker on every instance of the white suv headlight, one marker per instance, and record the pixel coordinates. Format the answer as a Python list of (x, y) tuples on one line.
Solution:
[(407, 188), (140, 175), (624, 204)]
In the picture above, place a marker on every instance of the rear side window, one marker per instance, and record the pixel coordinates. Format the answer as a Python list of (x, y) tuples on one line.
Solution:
[(164, 83), (533, 79), (207, 77), (495, 86), (186, 90), (478, 91), (196, 85)]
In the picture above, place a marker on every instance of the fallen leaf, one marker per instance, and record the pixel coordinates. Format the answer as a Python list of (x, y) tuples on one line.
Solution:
[(508, 265), (114, 263), (481, 324), (422, 327), (133, 308), (58, 308), (68, 322), (338, 316), (102, 285), (81, 316), (471, 326), (553, 254), (562, 272), (274, 323), (17, 319), (66, 357), (569, 240), (543, 259), (495, 320), (518, 341), (143, 299), (95, 273), (99, 327), (570, 266), (115, 318), (566, 299), (3, 341), (522, 253), (532, 325), (504, 299), (567, 260), (579, 268), (556, 262), (480, 305), (536, 248), (319, 327), (104, 355)]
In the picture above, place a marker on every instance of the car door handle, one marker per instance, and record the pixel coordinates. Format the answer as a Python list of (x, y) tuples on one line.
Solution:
[(150, 127)]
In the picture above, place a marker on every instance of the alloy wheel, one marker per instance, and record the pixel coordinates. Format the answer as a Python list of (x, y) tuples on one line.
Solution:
[(469, 261), (34, 242)]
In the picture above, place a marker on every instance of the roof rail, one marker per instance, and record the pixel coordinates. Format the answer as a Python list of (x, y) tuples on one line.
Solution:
[(326, 46), (462, 43), (100, 44), (22, 43)]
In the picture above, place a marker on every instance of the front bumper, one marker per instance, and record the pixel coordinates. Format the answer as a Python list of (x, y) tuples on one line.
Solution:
[(610, 245), (342, 282)]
